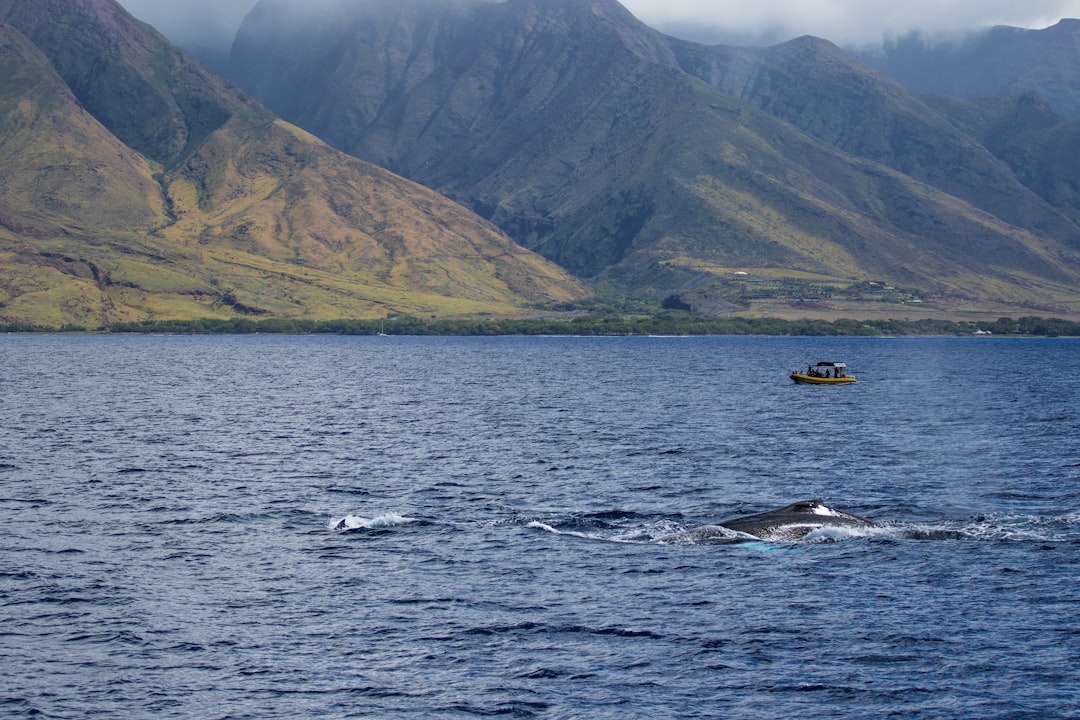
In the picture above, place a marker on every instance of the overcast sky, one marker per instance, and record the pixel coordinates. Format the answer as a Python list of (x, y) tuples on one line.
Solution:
[(845, 22)]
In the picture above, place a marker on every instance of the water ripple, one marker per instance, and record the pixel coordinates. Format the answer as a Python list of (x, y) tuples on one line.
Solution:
[(436, 527)]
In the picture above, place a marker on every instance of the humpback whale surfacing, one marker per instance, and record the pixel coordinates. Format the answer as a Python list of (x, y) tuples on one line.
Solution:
[(795, 521)]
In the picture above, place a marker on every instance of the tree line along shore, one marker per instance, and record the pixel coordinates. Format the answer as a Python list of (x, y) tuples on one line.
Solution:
[(665, 323)]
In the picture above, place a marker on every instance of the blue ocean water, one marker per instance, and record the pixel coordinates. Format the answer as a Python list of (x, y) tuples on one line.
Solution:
[(394, 527)]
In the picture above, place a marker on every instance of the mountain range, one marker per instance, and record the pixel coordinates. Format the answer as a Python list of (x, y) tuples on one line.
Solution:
[(650, 164), (997, 62), (438, 157), (135, 184)]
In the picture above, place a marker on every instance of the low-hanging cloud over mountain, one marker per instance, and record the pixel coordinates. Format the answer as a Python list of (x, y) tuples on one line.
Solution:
[(846, 22)]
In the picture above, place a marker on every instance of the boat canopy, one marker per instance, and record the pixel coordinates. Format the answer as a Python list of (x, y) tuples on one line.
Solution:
[(831, 364)]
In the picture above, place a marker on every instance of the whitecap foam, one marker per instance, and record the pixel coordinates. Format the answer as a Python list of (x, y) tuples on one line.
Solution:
[(704, 535), (355, 522), (1030, 528), (834, 533), (632, 537), (537, 525), (1011, 528)]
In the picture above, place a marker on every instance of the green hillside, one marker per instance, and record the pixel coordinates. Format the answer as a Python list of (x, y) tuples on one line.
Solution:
[(136, 185)]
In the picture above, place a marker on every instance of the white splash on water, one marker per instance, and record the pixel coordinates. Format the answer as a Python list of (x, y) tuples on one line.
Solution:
[(538, 525), (835, 533), (706, 534), (355, 522)]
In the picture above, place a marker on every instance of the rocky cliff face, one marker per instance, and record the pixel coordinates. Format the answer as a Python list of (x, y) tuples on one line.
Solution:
[(622, 153), (524, 111)]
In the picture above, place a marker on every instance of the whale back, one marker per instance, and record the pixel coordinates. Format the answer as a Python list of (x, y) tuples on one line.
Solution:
[(794, 521)]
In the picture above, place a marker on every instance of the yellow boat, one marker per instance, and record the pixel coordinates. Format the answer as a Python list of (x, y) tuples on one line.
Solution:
[(824, 373)]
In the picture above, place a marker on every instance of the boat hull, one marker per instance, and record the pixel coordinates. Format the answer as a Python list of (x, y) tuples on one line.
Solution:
[(811, 380)]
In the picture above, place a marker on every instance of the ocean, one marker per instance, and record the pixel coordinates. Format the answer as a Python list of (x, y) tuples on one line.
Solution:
[(402, 527)]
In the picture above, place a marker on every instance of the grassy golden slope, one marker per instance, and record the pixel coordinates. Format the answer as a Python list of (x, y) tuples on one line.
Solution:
[(261, 219), (330, 212), (59, 164)]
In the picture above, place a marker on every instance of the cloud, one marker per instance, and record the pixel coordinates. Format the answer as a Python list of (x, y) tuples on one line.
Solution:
[(210, 22), (846, 22)]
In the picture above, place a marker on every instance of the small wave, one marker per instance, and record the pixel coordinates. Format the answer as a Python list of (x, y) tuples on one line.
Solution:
[(1009, 528), (221, 518), (1031, 528), (705, 535), (829, 533), (351, 523), (663, 530), (538, 525), (617, 527)]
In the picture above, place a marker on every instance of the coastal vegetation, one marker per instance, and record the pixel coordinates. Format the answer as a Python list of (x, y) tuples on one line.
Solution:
[(663, 323)]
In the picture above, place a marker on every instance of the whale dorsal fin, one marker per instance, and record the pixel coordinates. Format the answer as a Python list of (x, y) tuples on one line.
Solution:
[(811, 507)]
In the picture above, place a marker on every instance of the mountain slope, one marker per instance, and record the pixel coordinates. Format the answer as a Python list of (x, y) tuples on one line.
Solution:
[(1040, 147), (999, 62), (651, 163), (112, 183), (815, 86), (136, 184)]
